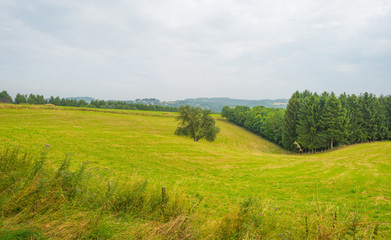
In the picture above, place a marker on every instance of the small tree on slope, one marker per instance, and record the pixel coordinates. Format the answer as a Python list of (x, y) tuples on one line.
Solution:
[(196, 123)]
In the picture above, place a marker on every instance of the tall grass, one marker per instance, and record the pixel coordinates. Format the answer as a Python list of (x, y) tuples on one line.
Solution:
[(73, 202), (77, 202), (256, 219)]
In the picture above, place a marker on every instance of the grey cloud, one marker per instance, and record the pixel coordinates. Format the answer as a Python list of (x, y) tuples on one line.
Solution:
[(179, 49)]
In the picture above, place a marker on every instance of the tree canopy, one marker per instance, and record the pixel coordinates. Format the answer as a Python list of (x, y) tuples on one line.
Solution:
[(313, 122), (5, 97), (196, 123)]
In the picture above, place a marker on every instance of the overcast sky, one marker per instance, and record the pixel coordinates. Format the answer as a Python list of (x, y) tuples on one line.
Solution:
[(186, 48)]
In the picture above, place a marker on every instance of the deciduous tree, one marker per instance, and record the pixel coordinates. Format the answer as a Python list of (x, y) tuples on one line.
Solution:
[(196, 123)]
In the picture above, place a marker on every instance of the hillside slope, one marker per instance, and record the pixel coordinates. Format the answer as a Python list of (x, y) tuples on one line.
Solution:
[(236, 166)]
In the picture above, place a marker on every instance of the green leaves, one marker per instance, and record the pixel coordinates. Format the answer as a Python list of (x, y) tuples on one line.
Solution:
[(5, 97), (196, 123), (266, 122)]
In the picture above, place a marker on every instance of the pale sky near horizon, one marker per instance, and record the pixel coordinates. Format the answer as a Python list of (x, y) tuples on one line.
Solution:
[(186, 48)]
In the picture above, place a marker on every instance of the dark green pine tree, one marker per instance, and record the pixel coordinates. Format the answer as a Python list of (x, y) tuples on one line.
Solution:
[(382, 119), (387, 106), (333, 121), (40, 99), (51, 100), (304, 94), (32, 99), (289, 134), (344, 102), (57, 101), (20, 98), (322, 128), (309, 123), (355, 120), (369, 114)]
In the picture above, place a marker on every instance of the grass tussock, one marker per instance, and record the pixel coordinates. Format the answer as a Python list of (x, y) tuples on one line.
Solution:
[(77, 202)]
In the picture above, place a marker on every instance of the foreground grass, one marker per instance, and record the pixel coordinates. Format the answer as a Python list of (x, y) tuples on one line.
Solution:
[(38, 202), (351, 183)]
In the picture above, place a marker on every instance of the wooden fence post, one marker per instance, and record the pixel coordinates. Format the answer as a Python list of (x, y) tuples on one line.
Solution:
[(164, 198)]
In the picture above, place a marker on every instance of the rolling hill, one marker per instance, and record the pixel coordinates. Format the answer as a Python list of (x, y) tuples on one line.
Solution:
[(238, 165)]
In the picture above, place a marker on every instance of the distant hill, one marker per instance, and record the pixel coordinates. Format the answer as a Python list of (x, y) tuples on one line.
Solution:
[(214, 104), (87, 99)]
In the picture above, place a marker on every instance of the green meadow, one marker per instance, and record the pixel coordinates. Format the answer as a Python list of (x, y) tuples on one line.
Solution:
[(128, 145)]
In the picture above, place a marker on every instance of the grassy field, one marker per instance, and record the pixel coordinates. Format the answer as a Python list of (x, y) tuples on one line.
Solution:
[(133, 144)]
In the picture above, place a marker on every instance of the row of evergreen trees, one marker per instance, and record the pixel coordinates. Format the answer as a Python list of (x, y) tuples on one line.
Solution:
[(317, 122), (313, 122), (71, 102)]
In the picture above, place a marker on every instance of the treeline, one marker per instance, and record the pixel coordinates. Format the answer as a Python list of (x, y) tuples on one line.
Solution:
[(71, 102), (313, 122), (266, 122)]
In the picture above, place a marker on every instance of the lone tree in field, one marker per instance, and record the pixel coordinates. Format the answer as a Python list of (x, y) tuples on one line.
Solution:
[(196, 123)]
